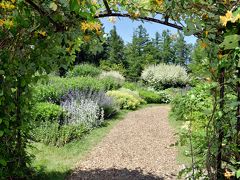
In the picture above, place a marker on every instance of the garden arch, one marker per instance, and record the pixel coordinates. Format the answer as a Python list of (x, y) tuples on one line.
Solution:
[(55, 26)]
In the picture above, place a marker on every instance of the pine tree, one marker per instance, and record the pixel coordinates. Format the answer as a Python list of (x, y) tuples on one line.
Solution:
[(157, 49), (115, 49), (167, 50), (180, 48), (138, 53)]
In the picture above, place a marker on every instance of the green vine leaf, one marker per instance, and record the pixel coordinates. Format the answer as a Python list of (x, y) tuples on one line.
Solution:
[(230, 42), (1, 133), (238, 173), (3, 162)]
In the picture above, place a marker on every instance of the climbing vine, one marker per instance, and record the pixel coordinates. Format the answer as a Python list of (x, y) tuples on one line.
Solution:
[(37, 37)]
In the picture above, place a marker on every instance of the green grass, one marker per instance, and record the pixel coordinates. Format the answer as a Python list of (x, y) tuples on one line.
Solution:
[(57, 162), (181, 157)]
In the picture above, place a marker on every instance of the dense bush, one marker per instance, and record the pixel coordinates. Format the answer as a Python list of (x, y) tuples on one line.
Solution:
[(58, 87), (84, 70), (58, 135), (150, 96), (106, 65), (194, 109), (45, 111), (58, 125), (112, 74), (49, 125), (126, 99), (163, 76), (131, 85), (196, 101)]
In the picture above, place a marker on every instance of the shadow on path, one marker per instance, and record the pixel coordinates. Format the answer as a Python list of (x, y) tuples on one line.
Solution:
[(113, 174)]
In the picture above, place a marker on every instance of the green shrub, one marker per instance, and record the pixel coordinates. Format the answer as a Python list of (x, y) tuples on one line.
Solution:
[(109, 66), (84, 70), (193, 103), (57, 87), (150, 96), (131, 85), (45, 111), (163, 76), (126, 99), (51, 133), (112, 74)]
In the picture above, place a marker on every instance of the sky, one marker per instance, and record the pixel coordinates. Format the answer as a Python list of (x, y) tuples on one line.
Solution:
[(126, 26)]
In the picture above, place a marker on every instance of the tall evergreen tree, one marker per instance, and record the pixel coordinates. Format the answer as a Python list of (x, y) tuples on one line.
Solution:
[(138, 53), (167, 50), (181, 50), (157, 49), (115, 49)]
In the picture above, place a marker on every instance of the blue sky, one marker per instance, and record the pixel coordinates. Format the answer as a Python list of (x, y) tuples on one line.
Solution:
[(126, 26)]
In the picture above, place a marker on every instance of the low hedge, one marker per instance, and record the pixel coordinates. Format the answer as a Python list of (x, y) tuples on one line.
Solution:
[(57, 87), (126, 99), (84, 70), (45, 111)]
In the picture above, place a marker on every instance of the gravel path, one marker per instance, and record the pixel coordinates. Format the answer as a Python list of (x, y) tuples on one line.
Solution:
[(138, 147)]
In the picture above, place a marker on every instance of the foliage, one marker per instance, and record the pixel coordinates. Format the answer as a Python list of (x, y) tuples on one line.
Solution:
[(51, 133), (44, 36), (45, 111), (34, 38), (194, 108), (113, 74), (164, 76), (58, 87), (115, 48), (137, 55), (182, 50), (126, 99), (200, 97), (83, 111), (84, 70), (108, 66), (149, 95)]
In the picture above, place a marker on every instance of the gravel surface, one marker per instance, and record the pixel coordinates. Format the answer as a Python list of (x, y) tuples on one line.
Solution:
[(138, 147)]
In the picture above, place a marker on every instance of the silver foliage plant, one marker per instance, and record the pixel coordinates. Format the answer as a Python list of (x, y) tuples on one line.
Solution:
[(84, 112), (87, 107)]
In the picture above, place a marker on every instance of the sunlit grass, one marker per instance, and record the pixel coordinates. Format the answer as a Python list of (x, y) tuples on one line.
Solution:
[(181, 157)]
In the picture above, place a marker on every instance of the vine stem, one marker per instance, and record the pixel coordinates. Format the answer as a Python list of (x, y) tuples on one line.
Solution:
[(192, 155), (219, 128), (191, 147), (238, 113)]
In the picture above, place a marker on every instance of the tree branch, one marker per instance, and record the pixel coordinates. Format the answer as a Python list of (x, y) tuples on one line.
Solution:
[(142, 18), (58, 26), (107, 7)]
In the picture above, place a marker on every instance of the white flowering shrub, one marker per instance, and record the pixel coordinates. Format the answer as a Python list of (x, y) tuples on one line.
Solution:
[(112, 74), (163, 76)]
